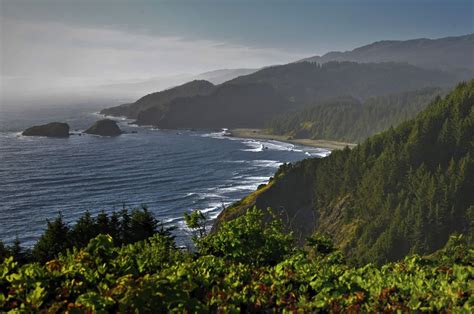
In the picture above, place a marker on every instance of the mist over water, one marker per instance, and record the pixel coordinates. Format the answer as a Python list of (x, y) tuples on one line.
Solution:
[(170, 171)]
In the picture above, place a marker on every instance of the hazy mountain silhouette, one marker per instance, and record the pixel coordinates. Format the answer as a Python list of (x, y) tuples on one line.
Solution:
[(454, 54)]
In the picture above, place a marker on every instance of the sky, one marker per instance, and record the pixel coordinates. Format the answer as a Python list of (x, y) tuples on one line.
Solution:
[(61, 44)]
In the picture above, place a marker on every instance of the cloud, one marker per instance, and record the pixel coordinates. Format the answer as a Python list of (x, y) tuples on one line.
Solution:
[(55, 54)]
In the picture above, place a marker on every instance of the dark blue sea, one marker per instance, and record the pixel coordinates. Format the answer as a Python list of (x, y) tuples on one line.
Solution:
[(170, 171)]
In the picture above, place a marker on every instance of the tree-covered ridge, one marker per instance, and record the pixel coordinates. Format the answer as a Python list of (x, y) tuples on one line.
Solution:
[(252, 100), (307, 83), (248, 266), (349, 120), (401, 192)]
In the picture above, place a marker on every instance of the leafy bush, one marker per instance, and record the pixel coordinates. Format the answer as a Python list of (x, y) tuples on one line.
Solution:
[(153, 276), (249, 239)]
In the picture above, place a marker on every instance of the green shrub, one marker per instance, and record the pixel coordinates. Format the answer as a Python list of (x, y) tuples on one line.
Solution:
[(249, 239)]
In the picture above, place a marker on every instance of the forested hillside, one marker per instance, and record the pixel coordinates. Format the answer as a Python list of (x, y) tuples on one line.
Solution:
[(348, 120), (229, 106), (305, 83), (251, 100), (254, 99), (403, 191)]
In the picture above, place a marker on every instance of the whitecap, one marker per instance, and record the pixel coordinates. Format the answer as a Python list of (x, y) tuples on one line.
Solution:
[(255, 146), (267, 163), (223, 134)]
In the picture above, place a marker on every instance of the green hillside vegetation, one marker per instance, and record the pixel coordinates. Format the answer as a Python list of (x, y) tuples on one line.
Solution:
[(250, 101), (401, 192), (348, 120), (248, 266)]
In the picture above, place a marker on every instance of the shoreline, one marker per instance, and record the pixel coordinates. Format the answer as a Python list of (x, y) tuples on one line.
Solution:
[(259, 134)]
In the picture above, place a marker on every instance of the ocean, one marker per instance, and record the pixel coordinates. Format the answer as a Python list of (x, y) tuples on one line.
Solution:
[(170, 171)]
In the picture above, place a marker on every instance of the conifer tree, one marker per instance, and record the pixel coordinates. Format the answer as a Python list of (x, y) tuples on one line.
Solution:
[(54, 240)]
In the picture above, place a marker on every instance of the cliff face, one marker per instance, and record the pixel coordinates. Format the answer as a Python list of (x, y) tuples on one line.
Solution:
[(53, 129), (290, 195)]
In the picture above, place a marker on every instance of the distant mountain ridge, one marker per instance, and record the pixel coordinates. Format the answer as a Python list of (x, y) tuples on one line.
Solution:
[(131, 89), (223, 75), (453, 54), (238, 103), (159, 100), (378, 69), (289, 87)]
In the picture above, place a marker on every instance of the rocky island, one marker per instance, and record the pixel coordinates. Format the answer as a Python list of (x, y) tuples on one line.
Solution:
[(104, 127), (53, 129)]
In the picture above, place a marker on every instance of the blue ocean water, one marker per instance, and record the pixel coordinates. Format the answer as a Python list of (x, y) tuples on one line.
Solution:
[(170, 171)]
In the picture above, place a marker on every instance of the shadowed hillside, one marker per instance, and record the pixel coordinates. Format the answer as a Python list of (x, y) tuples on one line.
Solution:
[(283, 88)]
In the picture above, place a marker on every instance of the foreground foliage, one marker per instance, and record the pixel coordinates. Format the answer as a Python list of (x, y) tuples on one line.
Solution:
[(154, 276)]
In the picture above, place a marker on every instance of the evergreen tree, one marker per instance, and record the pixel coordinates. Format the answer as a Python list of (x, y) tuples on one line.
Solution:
[(84, 230), (142, 224), (55, 239), (3, 251)]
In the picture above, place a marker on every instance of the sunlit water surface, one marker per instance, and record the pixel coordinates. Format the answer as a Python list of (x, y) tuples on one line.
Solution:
[(170, 171)]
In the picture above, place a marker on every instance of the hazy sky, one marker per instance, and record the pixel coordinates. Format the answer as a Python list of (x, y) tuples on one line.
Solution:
[(67, 43)]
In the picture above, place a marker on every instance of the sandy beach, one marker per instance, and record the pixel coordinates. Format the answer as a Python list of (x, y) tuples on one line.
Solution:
[(261, 134)]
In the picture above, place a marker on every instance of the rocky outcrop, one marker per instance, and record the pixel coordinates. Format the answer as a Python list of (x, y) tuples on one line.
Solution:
[(105, 127), (53, 129)]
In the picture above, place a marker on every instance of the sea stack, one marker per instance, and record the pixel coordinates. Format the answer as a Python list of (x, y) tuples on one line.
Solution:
[(53, 129), (105, 127)]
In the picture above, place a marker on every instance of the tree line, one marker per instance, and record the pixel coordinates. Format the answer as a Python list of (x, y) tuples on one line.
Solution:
[(349, 120), (124, 226)]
